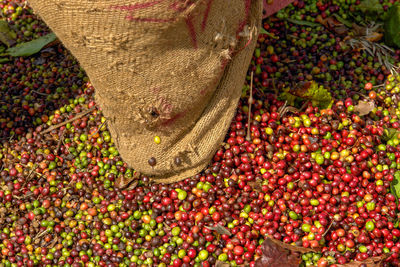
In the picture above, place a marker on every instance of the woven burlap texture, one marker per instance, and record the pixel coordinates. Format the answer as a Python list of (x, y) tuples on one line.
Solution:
[(172, 69)]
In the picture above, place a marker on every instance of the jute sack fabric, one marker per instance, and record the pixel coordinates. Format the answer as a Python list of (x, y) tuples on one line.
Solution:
[(170, 69)]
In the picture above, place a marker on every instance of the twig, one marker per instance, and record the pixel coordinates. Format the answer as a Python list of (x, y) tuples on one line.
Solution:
[(78, 116), (274, 86), (60, 140), (26, 166), (98, 129), (327, 230), (28, 178), (24, 196), (39, 93), (379, 85), (248, 137), (40, 234)]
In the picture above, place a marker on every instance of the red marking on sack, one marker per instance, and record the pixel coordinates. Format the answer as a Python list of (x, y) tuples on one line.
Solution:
[(172, 120), (138, 6), (156, 90), (247, 5), (206, 12), (149, 19), (180, 5), (192, 31), (224, 63), (133, 7)]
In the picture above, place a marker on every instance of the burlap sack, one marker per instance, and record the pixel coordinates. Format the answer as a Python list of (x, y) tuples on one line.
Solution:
[(167, 68)]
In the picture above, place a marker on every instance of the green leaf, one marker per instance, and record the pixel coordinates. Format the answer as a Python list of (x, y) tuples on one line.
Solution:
[(343, 21), (388, 134), (32, 47), (291, 99), (392, 29), (263, 31), (303, 22), (4, 60), (395, 186), (311, 91), (7, 36), (319, 96), (371, 6)]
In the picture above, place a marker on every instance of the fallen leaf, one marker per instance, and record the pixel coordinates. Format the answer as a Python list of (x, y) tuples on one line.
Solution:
[(48, 52), (303, 22), (278, 254), (167, 227), (121, 182), (301, 250), (370, 262), (39, 61), (371, 6), (221, 264), (392, 29), (395, 185), (321, 20), (313, 140), (364, 107), (342, 20), (32, 47), (263, 31), (7, 36), (359, 30), (220, 229), (374, 37), (256, 185), (334, 24), (341, 30)]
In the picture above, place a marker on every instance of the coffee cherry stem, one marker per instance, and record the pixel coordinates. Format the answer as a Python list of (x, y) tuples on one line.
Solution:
[(327, 230)]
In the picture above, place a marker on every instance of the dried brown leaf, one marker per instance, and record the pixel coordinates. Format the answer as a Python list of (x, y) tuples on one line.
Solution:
[(167, 227), (374, 37), (341, 30), (277, 254), (221, 264), (220, 229), (256, 185), (392, 111), (332, 22), (370, 262), (359, 30), (7, 35), (301, 89), (321, 20), (364, 107), (121, 182), (126, 183), (292, 248)]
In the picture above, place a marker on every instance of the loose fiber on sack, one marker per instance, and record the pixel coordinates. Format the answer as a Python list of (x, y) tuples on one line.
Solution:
[(168, 68)]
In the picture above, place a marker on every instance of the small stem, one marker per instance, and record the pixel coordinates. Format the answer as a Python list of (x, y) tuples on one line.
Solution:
[(327, 230), (98, 129), (40, 234), (248, 137), (78, 116), (39, 93), (274, 86), (60, 140)]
